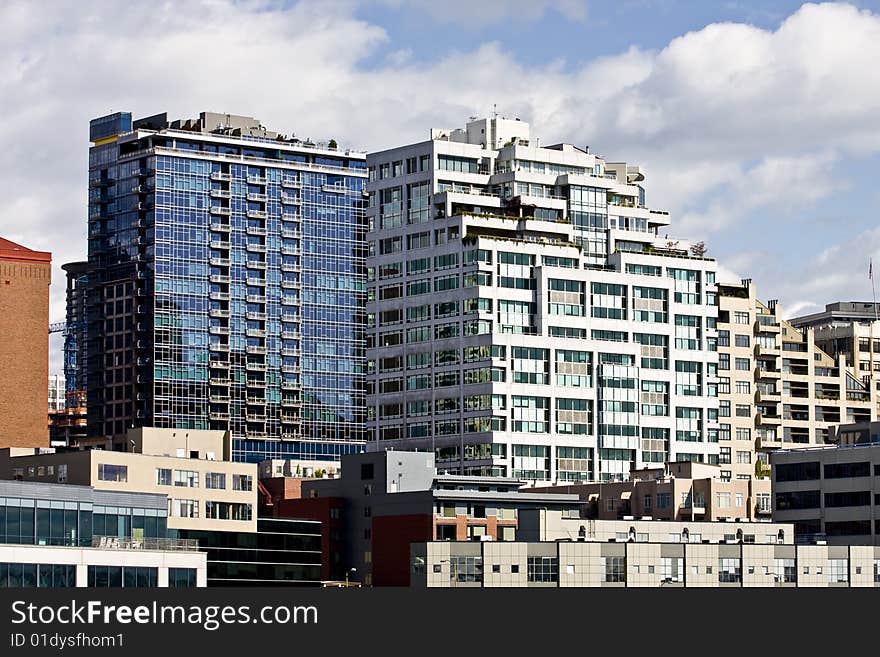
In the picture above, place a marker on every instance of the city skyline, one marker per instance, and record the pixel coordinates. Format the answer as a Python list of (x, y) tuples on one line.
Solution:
[(736, 112)]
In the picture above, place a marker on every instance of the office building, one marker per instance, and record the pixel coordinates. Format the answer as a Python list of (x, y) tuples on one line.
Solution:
[(526, 316), (675, 492), (225, 285), (777, 388), (205, 490), (55, 535), (386, 500), (74, 332), (25, 275), (830, 493)]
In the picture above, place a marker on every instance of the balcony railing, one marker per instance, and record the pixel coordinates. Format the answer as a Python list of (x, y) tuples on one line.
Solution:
[(118, 543)]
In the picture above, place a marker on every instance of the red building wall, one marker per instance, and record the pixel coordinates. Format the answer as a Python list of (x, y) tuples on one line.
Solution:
[(391, 538)]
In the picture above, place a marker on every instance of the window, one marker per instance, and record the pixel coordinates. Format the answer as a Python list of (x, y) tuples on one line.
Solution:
[(242, 482), (185, 508), (181, 577), (108, 472), (729, 570), (186, 478), (838, 571), (614, 569), (743, 364), (740, 317), (163, 476), (215, 480), (741, 340), (543, 569)]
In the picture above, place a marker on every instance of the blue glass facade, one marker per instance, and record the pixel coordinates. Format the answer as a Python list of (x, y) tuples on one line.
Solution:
[(232, 288)]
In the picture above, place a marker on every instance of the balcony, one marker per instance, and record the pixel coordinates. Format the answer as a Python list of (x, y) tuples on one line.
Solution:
[(216, 415), (219, 381), (256, 264), (256, 417), (219, 296), (767, 396), (290, 419), (221, 176), (287, 199), (291, 403), (256, 316), (291, 285), (164, 544), (218, 312), (290, 385), (767, 326), (221, 228), (220, 210), (291, 183), (763, 351), (257, 198), (217, 346), (290, 234), (289, 317), (255, 333), (256, 367), (767, 420), (254, 349), (216, 244), (763, 373), (257, 282), (256, 180), (289, 250), (292, 369), (216, 363), (256, 214), (289, 300), (221, 193), (219, 278), (218, 330), (768, 442), (256, 434), (292, 268), (256, 383), (256, 230), (291, 335), (256, 298), (291, 216), (220, 262), (256, 248), (291, 351), (255, 400)]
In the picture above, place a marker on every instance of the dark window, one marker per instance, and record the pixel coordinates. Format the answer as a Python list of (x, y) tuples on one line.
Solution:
[(366, 470), (804, 499), (181, 577), (848, 498), (847, 470), (514, 568), (848, 528), (797, 471)]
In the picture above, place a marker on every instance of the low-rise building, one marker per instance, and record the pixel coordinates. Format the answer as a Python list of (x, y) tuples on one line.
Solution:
[(640, 565), (386, 500), (831, 493), (682, 490), (63, 536), (205, 490)]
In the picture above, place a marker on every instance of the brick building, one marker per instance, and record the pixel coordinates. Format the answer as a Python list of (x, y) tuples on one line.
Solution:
[(24, 348)]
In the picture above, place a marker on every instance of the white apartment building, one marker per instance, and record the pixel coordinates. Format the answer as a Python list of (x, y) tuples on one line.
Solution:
[(526, 317)]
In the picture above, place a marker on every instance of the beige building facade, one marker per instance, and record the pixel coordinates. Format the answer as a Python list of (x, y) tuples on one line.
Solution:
[(641, 565), (776, 387), (204, 491)]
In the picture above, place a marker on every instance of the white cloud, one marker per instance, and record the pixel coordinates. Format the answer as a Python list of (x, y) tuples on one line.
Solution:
[(727, 120)]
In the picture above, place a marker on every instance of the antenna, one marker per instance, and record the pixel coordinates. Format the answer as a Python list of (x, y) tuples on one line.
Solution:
[(495, 110)]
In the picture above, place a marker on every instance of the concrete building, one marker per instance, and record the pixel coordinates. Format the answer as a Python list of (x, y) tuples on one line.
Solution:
[(677, 492), (642, 565), (526, 317), (850, 329), (225, 285), (55, 535), (777, 388), (205, 490), (25, 275), (386, 500), (831, 493)]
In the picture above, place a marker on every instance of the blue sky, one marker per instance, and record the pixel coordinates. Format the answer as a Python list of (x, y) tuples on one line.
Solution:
[(758, 123)]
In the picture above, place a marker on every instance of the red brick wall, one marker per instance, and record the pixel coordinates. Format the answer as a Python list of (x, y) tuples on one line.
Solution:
[(391, 538), (318, 508), (24, 353)]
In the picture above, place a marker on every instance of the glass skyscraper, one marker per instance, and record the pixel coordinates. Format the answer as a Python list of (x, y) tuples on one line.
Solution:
[(226, 284)]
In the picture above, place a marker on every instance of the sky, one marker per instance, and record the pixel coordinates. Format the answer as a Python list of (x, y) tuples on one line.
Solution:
[(757, 122)]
